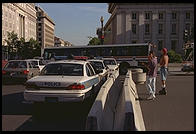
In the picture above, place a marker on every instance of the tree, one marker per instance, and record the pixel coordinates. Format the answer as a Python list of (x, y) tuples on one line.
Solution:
[(174, 57), (12, 43), (34, 44), (94, 41)]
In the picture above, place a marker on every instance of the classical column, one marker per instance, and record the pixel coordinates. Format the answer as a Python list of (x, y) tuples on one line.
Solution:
[(167, 29), (141, 26), (180, 31), (118, 27)]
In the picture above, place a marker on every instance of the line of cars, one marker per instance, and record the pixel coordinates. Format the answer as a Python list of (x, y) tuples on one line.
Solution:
[(63, 80)]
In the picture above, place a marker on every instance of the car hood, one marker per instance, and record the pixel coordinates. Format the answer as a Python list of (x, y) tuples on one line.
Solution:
[(55, 81)]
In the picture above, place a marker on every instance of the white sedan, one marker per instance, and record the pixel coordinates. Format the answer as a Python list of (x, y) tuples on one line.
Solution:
[(111, 63), (99, 64), (61, 81), (38, 63)]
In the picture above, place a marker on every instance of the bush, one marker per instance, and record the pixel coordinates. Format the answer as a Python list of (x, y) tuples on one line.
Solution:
[(174, 57)]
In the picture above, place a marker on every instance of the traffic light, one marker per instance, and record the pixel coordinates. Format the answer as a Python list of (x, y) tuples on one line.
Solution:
[(99, 33)]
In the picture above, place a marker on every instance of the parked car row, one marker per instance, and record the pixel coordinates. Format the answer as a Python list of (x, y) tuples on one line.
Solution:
[(61, 80)]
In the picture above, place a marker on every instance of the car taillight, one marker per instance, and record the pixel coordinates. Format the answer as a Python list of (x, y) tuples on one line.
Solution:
[(25, 71), (76, 87), (3, 72)]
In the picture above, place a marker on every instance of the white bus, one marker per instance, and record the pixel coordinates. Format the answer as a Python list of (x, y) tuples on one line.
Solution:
[(127, 55)]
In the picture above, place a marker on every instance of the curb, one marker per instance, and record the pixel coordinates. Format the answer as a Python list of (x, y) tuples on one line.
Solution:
[(192, 74)]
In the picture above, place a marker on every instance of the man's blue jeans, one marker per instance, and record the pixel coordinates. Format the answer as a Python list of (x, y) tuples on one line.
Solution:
[(150, 83)]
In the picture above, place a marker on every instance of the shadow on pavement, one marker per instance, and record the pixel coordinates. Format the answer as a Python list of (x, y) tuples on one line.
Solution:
[(69, 116), (12, 104)]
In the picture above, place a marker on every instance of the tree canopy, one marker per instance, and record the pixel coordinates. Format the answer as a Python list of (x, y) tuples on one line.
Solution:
[(19, 49)]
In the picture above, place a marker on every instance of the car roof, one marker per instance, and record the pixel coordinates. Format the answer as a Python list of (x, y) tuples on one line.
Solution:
[(95, 60), (32, 59), (108, 59), (18, 60), (69, 61)]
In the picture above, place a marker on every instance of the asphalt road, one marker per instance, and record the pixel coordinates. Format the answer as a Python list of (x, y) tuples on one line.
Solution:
[(20, 116), (173, 112)]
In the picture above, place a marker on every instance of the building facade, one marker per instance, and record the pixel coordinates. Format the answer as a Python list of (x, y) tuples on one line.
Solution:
[(20, 18), (160, 23), (58, 42), (45, 29)]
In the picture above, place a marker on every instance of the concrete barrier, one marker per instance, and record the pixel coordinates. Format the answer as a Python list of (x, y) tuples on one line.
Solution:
[(137, 75), (137, 70), (139, 78), (102, 114), (133, 115), (116, 108)]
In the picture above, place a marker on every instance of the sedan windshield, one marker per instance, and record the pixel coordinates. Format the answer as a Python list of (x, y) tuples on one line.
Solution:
[(109, 62), (16, 64), (66, 69), (98, 65)]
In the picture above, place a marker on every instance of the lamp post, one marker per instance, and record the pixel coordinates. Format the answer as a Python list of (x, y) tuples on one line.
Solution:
[(102, 31)]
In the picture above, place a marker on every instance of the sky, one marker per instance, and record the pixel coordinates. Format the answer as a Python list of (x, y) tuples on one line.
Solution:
[(75, 22)]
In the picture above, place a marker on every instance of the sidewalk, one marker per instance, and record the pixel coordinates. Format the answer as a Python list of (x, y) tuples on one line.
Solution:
[(180, 73), (173, 112)]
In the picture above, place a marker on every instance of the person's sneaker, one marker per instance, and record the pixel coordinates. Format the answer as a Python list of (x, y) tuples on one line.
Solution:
[(163, 92), (154, 96), (151, 97)]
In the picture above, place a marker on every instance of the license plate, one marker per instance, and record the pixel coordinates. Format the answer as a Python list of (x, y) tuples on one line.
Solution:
[(11, 74), (51, 84), (51, 99)]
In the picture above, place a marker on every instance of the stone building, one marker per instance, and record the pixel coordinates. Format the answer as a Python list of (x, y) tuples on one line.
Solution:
[(20, 18), (58, 42), (45, 29), (160, 23)]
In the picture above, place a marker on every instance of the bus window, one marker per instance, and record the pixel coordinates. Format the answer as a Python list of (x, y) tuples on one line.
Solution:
[(107, 51)]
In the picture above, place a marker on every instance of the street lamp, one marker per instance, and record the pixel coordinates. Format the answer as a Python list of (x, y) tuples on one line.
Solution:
[(102, 31)]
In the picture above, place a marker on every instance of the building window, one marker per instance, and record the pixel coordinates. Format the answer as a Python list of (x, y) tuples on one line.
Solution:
[(173, 44), (188, 27), (134, 28), (160, 29), (134, 16), (39, 24), (173, 15), (173, 28), (147, 16), (188, 15), (160, 45), (160, 16), (39, 29), (147, 28), (134, 41), (40, 39)]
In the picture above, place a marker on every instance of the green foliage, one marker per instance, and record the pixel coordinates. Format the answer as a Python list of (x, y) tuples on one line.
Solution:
[(19, 49), (94, 41), (174, 57)]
